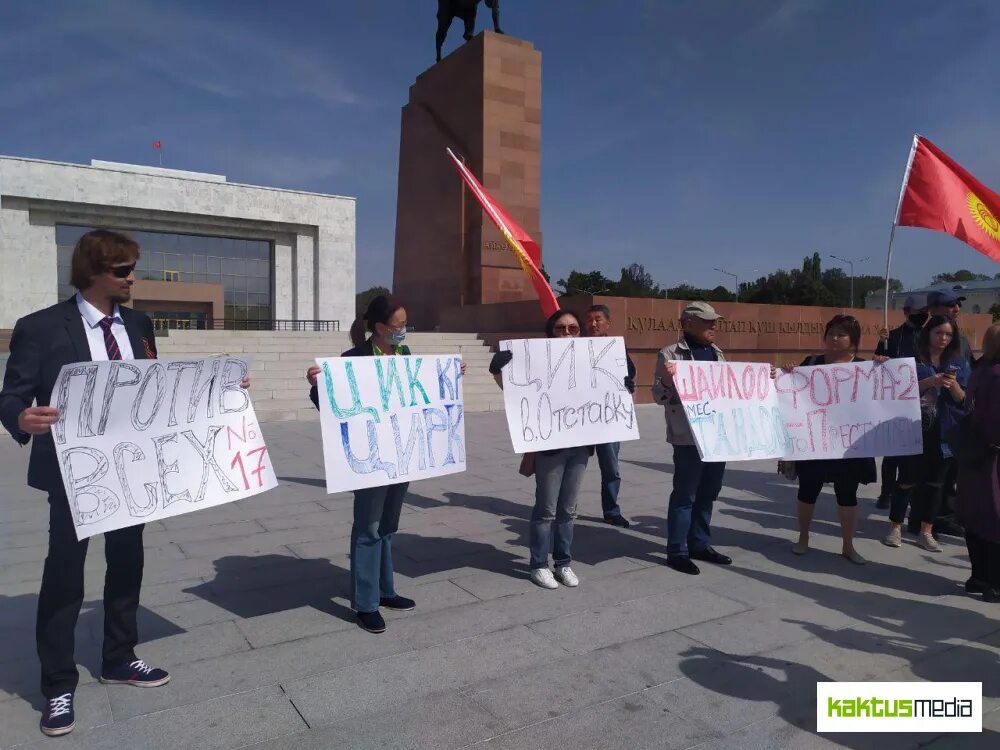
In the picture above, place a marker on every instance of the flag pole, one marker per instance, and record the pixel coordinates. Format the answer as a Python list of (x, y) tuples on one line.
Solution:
[(895, 223)]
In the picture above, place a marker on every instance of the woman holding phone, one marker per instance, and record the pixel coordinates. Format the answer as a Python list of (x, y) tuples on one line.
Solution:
[(942, 374)]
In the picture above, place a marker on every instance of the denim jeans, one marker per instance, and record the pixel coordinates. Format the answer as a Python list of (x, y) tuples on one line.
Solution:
[(696, 485), (611, 480), (376, 518), (557, 481)]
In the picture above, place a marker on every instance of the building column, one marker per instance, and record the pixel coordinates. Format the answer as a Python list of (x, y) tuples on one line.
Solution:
[(283, 280), (305, 277), (28, 256)]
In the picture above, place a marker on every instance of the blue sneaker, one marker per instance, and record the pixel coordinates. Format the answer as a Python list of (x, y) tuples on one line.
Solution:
[(135, 673), (58, 718)]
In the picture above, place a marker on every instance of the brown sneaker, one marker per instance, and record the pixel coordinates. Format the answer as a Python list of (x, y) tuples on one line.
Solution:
[(894, 538), (927, 542)]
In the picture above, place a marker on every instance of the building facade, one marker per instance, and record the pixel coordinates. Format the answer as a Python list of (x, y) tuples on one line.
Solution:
[(980, 296), (213, 253)]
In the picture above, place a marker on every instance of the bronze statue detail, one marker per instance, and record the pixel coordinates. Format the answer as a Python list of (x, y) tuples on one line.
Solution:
[(449, 10)]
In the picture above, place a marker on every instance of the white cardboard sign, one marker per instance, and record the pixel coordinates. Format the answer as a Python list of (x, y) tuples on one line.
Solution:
[(862, 409), (567, 392), (393, 419), (139, 440)]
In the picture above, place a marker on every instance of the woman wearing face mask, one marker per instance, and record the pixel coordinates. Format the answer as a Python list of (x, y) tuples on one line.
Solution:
[(376, 509), (558, 475), (841, 341), (942, 373)]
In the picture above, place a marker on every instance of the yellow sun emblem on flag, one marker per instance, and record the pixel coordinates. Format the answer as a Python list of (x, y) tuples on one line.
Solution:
[(983, 216)]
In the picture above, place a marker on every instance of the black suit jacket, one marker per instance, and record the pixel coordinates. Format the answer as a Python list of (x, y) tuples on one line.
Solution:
[(39, 347)]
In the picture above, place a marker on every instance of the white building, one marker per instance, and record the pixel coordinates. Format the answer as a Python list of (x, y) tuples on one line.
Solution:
[(213, 253), (980, 296)]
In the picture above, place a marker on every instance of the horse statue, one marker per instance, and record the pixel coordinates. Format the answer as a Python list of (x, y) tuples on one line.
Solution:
[(449, 10)]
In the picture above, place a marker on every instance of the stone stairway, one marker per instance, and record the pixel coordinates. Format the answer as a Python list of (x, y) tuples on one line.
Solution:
[(280, 359)]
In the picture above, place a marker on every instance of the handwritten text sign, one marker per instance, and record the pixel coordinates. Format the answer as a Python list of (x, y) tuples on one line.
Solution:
[(738, 413), (851, 411), (388, 420), (141, 440), (565, 392)]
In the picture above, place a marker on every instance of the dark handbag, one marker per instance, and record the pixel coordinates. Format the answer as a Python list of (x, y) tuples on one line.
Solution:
[(969, 445), (527, 467)]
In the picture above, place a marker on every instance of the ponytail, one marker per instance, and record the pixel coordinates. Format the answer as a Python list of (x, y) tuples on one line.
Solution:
[(380, 309)]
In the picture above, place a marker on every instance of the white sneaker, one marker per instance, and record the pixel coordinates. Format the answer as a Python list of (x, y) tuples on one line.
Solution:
[(544, 578), (567, 577)]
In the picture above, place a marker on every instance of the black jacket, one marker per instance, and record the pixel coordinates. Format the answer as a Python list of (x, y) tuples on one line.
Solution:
[(365, 350), (902, 343), (40, 345)]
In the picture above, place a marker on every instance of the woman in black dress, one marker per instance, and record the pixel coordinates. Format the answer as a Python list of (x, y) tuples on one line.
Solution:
[(841, 339)]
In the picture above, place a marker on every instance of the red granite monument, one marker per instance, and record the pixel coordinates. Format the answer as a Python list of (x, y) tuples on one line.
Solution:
[(484, 102)]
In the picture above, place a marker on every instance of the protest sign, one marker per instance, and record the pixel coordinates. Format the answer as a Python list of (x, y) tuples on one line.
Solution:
[(854, 410), (565, 392), (141, 440), (388, 420), (738, 413)]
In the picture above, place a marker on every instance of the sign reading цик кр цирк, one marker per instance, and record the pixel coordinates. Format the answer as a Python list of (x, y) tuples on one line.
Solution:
[(567, 392), (388, 420), (737, 412), (140, 440)]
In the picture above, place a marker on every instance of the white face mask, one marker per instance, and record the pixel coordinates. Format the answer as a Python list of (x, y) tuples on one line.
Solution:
[(397, 337)]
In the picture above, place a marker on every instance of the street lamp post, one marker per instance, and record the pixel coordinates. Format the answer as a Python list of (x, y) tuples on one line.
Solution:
[(735, 278), (850, 263)]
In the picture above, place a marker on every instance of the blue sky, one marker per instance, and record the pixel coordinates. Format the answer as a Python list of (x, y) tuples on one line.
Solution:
[(682, 135)]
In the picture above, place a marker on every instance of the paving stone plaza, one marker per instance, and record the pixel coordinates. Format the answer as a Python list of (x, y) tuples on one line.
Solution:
[(245, 604)]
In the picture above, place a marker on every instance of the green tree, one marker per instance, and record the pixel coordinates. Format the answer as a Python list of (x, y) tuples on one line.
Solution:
[(362, 299), (995, 312), (592, 282), (635, 281), (959, 276)]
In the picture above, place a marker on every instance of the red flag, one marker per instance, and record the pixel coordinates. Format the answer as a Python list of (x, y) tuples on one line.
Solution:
[(939, 194), (525, 249), (157, 145)]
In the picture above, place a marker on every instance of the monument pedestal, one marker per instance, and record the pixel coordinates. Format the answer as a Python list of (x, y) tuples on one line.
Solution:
[(484, 102)]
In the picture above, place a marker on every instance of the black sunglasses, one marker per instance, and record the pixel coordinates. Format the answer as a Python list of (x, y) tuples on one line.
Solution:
[(121, 272)]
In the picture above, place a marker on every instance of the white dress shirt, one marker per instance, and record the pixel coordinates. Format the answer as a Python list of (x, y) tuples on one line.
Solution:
[(92, 318)]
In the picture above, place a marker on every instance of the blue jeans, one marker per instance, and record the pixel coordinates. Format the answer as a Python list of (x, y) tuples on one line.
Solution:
[(376, 518), (557, 481), (611, 480), (696, 485)]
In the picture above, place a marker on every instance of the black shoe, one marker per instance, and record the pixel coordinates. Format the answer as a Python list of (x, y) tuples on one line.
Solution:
[(371, 621), (975, 586), (710, 555), (135, 673), (949, 527), (397, 602), (58, 718), (883, 502), (683, 565), (619, 521), (991, 595)]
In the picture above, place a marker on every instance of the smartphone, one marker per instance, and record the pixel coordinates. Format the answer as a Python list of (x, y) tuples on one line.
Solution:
[(951, 370)]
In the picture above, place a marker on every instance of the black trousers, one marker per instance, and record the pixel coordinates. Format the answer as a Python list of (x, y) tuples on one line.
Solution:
[(985, 558), (61, 597), (890, 468)]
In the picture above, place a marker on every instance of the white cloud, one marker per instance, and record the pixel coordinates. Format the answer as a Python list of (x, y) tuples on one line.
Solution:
[(223, 58)]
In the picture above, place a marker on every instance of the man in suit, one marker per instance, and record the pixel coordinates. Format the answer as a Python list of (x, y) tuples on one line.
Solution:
[(599, 324), (91, 326)]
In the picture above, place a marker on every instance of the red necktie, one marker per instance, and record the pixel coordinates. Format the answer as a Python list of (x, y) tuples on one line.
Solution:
[(109, 339)]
